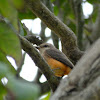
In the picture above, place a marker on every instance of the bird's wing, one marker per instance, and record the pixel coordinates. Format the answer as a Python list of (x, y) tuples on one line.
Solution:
[(56, 54)]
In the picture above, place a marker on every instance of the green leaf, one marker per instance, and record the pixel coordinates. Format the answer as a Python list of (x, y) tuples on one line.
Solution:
[(62, 2), (27, 14), (66, 8), (48, 96), (56, 10), (93, 1), (9, 42), (72, 26), (21, 29), (53, 0), (95, 14), (3, 59), (17, 3), (3, 70), (2, 91), (8, 11), (23, 90), (25, 32)]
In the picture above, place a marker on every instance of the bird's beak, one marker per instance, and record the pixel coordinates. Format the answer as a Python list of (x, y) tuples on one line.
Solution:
[(37, 47)]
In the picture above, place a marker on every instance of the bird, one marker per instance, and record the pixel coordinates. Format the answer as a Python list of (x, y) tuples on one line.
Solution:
[(57, 60)]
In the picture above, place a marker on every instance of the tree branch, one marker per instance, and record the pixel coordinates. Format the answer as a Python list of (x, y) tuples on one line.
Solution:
[(79, 22), (83, 81), (66, 35), (20, 66), (44, 88), (36, 57), (96, 29), (42, 33), (39, 73), (33, 39), (53, 35)]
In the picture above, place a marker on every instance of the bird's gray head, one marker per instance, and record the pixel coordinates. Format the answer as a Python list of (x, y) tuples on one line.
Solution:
[(44, 47)]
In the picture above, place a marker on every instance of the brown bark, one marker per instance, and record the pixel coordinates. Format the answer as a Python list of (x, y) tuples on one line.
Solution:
[(66, 35), (96, 28), (83, 83), (39, 61)]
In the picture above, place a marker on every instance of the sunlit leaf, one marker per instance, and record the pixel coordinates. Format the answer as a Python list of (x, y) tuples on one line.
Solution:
[(48, 96), (9, 42)]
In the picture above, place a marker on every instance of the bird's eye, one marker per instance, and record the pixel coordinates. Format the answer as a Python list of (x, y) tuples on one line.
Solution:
[(45, 46)]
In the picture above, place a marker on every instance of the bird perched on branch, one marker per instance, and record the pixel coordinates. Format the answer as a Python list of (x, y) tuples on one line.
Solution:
[(57, 60)]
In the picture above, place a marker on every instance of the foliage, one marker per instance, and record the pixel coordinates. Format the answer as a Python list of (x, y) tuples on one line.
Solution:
[(47, 97), (10, 46), (11, 14)]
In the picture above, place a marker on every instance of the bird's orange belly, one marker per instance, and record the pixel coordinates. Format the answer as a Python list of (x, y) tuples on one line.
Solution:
[(58, 68)]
